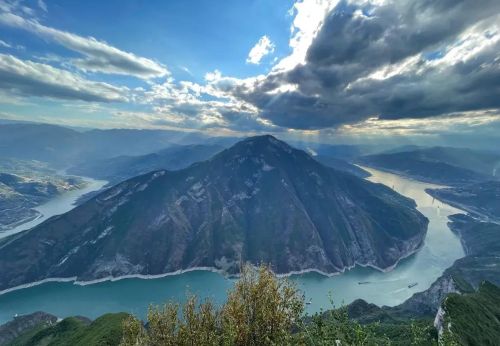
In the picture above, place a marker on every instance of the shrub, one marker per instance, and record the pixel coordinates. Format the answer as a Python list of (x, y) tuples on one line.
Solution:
[(260, 310)]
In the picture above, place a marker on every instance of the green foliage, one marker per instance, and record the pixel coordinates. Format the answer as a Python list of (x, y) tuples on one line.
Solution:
[(25, 338), (260, 310), (417, 332), (473, 319), (58, 333), (336, 327), (104, 331)]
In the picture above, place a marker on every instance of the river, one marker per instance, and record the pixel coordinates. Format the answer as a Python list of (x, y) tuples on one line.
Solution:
[(57, 205), (440, 250)]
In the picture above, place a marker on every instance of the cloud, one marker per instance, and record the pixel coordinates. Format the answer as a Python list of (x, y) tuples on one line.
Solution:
[(386, 60), (4, 44), (98, 56), (42, 5), (189, 104), (457, 123), (308, 19), (262, 48), (388, 66), (29, 78)]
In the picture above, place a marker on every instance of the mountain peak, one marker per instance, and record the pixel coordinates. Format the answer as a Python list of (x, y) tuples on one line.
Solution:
[(258, 201), (260, 145), (262, 152), (264, 140)]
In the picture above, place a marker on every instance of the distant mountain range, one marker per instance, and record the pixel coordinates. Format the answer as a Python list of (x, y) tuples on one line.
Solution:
[(341, 165), (117, 169), (441, 165), (64, 147), (260, 200)]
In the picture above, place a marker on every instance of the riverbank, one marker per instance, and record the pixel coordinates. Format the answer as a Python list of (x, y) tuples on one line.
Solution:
[(439, 250), (58, 205)]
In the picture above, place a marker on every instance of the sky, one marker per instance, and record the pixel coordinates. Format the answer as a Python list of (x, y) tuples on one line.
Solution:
[(328, 69)]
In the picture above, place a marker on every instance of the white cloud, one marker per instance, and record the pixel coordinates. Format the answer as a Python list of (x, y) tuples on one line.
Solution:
[(98, 56), (42, 5), (28, 78), (187, 70), (260, 50), (4, 44), (309, 17), (455, 122)]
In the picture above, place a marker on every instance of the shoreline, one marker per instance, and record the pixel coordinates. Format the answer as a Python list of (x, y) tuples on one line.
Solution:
[(13, 225), (36, 283), (223, 273), (436, 184), (75, 281), (69, 196)]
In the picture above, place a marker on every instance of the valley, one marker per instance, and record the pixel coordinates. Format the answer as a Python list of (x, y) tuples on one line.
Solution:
[(25, 186), (441, 248), (258, 201), (439, 165)]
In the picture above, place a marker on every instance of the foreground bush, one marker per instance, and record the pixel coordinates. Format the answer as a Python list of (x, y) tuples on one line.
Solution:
[(261, 309)]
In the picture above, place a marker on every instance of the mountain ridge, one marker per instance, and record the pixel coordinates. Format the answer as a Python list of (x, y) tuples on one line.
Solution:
[(258, 201)]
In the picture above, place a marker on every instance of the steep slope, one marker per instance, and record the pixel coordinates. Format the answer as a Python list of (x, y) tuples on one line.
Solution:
[(260, 200), (120, 168), (472, 319)]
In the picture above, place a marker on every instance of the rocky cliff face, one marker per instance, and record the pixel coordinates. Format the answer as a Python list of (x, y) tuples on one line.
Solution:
[(259, 201), (426, 303)]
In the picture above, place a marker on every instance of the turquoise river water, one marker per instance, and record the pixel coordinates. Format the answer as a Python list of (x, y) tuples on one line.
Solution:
[(440, 250)]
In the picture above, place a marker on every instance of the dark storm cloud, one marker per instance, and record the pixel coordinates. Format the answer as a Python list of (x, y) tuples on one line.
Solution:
[(358, 40)]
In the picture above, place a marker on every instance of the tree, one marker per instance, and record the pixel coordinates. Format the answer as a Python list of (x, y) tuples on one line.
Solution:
[(334, 327), (260, 310)]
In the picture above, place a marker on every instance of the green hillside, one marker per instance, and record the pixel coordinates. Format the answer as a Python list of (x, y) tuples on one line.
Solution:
[(106, 330), (474, 319)]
